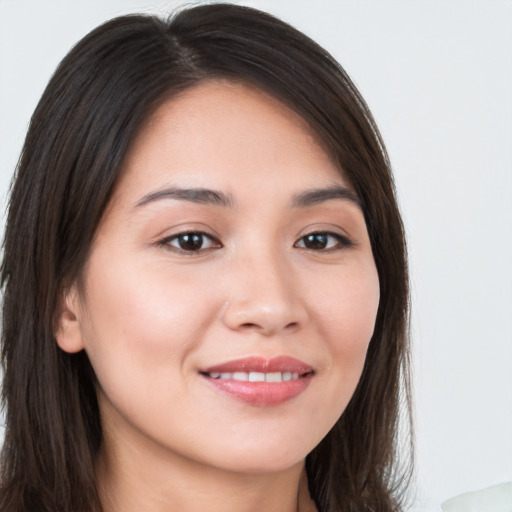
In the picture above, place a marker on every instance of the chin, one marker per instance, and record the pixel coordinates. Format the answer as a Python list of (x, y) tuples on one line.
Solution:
[(261, 465), (264, 456)]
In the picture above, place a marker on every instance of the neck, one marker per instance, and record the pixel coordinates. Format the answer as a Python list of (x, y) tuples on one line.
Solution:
[(130, 479)]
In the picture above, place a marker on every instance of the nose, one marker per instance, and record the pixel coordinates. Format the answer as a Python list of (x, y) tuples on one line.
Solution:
[(264, 297)]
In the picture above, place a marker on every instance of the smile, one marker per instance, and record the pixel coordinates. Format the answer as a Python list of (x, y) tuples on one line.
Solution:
[(259, 381), (255, 376)]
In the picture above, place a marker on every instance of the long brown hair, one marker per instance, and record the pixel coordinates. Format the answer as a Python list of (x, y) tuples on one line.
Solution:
[(90, 112)]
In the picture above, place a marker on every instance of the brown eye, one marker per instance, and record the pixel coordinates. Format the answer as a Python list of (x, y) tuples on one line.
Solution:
[(191, 242), (316, 241), (323, 241)]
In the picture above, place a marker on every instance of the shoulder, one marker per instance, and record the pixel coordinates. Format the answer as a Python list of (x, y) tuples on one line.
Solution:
[(497, 498)]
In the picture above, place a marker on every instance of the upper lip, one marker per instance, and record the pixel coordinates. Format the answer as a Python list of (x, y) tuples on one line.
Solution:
[(261, 364)]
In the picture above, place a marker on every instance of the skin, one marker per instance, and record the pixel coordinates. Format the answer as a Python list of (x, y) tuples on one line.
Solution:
[(150, 314)]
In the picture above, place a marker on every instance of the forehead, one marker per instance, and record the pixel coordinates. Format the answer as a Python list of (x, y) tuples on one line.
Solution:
[(221, 133)]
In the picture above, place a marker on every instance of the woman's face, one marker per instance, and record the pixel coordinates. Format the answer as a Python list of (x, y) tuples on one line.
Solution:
[(231, 291)]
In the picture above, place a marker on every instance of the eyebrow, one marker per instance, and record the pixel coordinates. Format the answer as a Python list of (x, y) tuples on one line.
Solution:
[(320, 195), (217, 198), (194, 195)]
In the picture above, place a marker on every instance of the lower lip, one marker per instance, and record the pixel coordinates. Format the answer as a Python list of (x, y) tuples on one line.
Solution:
[(263, 394)]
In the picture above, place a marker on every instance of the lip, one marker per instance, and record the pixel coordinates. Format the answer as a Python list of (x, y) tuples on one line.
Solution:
[(261, 394), (261, 364)]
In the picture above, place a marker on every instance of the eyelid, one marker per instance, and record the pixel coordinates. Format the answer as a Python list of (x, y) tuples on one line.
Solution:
[(344, 242), (165, 242)]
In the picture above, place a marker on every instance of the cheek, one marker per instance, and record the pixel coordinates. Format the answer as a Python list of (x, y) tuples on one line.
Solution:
[(142, 320), (346, 313), (347, 309)]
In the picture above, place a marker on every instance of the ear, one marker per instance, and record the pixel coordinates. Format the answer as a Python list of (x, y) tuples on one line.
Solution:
[(68, 331)]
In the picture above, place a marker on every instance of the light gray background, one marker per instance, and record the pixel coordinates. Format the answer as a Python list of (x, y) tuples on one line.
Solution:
[(438, 78)]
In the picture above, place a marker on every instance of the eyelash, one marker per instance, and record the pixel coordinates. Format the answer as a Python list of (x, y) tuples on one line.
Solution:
[(167, 242), (340, 242)]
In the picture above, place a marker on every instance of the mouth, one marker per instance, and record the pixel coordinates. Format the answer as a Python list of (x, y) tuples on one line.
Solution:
[(259, 381), (255, 376)]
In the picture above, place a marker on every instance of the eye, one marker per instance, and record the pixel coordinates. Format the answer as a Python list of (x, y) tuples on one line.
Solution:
[(191, 242), (324, 241)]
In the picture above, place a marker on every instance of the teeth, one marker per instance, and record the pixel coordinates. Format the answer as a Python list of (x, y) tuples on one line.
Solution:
[(255, 376)]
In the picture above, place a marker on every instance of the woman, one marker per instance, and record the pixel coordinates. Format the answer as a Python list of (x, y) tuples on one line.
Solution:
[(205, 285)]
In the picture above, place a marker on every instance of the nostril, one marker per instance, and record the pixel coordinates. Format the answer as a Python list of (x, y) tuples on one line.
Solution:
[(254, 326), (249, 325), (263, 316), (292, 326)]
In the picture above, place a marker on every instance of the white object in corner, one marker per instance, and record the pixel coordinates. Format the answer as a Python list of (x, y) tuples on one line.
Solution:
[(492, 499)]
